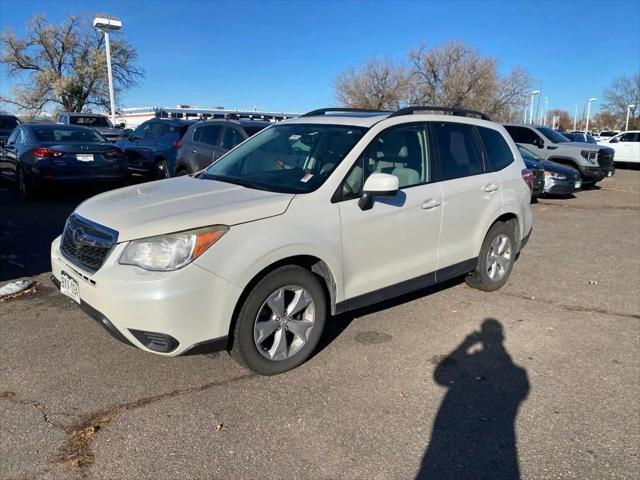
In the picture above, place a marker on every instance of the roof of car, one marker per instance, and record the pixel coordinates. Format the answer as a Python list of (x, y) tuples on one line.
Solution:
[(80, 114), (51, 126), (242, 122)]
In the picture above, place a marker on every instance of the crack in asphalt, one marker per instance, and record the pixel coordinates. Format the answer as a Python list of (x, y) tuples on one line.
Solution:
[(39, 406), (76, 451), (572, 308)]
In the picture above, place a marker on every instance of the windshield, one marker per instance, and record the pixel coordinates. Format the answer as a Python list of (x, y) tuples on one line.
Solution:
[(90, 121), (8, 123), (288, 158), (67, 135), (528, 154), (552, 135)]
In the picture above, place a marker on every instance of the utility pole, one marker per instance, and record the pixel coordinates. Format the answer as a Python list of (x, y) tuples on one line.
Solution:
[(629, 108), (575, 119)]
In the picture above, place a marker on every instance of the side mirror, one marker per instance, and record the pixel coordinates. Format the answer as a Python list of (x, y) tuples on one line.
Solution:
[(121, 125), (538, 143), (377, 185)]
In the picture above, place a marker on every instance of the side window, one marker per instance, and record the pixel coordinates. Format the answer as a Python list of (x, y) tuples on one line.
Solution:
[(209, 134), (231, 137), (457, 151), (401, 151), (141, 131), (522, 135), (499, 154), (629, 137), (155, 130)]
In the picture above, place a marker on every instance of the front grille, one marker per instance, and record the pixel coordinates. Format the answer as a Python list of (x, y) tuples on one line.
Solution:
[(85, 243), (605, 157)]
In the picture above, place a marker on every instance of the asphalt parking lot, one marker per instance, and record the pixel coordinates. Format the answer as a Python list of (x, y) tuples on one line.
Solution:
[(539, 380)]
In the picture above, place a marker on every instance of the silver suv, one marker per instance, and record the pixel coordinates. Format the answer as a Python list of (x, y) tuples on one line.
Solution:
[(593, 162), (313, 216)]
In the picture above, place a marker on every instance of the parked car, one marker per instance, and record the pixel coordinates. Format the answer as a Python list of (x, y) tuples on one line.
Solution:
[(580, 137), (151, 148), (558, 179), (101, 123), (7, 124), (537, 169), (592, 161), (207, 141), (36, 155), (626, 146), (313, 216), (606, 135)]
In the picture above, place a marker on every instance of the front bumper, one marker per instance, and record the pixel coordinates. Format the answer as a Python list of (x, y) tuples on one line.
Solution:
[(595, 174), (185, 309), (553, 186)]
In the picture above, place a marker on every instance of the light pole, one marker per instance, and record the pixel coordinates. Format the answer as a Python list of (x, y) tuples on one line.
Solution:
[(575, 119), (533, 94), (543, 117), (105, 25), (629, 108), (586, 127)]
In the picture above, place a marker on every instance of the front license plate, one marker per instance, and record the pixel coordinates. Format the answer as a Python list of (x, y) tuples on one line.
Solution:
[(84, 157), (578, 184), (69, 286)]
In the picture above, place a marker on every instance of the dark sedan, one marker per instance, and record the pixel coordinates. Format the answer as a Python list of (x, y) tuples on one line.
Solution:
[(537, 169), (7, 124), (35, 155), (558, 179)]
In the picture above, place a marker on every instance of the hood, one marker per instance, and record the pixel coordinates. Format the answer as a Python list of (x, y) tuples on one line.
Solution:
[(177, 204), (580, 145)]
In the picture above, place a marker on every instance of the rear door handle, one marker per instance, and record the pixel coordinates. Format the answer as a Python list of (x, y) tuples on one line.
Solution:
[(490, 187), (431, 203)]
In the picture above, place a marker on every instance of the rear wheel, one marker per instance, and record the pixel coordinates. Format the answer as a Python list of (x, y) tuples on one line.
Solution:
[(161, 170), (280, 322), (25, 185), (495, 262)]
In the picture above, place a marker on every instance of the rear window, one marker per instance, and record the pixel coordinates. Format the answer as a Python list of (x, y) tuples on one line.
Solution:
[(498, 152), (67, 135), (8, 123), (89, 121)]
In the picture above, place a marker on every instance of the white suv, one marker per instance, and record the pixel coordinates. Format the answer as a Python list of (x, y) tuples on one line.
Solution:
[(327, 212)]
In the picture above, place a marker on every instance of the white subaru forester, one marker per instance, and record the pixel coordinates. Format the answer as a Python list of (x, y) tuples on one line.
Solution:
[(313, 216)]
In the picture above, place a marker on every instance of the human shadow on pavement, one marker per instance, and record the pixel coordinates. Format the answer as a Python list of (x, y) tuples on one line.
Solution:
[(473, 435)]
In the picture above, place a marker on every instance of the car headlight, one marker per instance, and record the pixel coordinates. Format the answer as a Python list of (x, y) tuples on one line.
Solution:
[(554, 175), (589, 156), (172, 251)]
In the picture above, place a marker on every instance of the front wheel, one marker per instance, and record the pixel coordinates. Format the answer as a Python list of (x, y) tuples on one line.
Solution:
[(280, 322), (161, 170), (495, 262)]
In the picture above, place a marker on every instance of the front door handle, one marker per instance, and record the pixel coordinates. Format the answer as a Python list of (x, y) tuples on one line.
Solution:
[(490, 187), (193, 150), (431, 203)]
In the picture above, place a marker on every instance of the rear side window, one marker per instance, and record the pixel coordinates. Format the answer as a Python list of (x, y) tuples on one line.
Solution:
[(499, 154), (231, 138), (522, 134), (207, 134), (155, 130), (457, 151), (629, 137)]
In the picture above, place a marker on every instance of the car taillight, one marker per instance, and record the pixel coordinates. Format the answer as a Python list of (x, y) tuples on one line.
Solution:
[(527, 176), (177, 144), (114, 153), (46, 152)]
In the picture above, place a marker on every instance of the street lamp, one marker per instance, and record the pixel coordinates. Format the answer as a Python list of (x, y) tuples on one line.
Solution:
[(586, 127), (543, 116), (575, 119), (629, 108), (533, 94), (108, 24)]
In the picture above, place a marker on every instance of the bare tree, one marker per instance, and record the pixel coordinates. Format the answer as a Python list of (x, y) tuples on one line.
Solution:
[(624, 91), (379, 84), (65, 65), (451, 75), (565, 122), (606, 121)]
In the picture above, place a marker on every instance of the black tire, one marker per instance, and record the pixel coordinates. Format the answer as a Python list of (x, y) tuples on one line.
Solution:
[(480, 277), (25, 185), (161, 170), (244, 349)]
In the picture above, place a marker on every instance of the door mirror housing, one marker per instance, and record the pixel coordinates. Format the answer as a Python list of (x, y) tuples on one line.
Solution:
[(538, 143), (121, 125), (378, 185)]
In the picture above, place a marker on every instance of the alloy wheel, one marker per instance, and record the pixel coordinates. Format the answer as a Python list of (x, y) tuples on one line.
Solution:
[(284, 322), (499, 257)]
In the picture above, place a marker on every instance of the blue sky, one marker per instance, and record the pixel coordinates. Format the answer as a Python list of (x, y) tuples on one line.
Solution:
[(284, 55)]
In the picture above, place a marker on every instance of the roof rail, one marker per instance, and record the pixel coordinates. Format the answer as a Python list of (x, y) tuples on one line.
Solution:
[(461, 112), (323, 111)]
